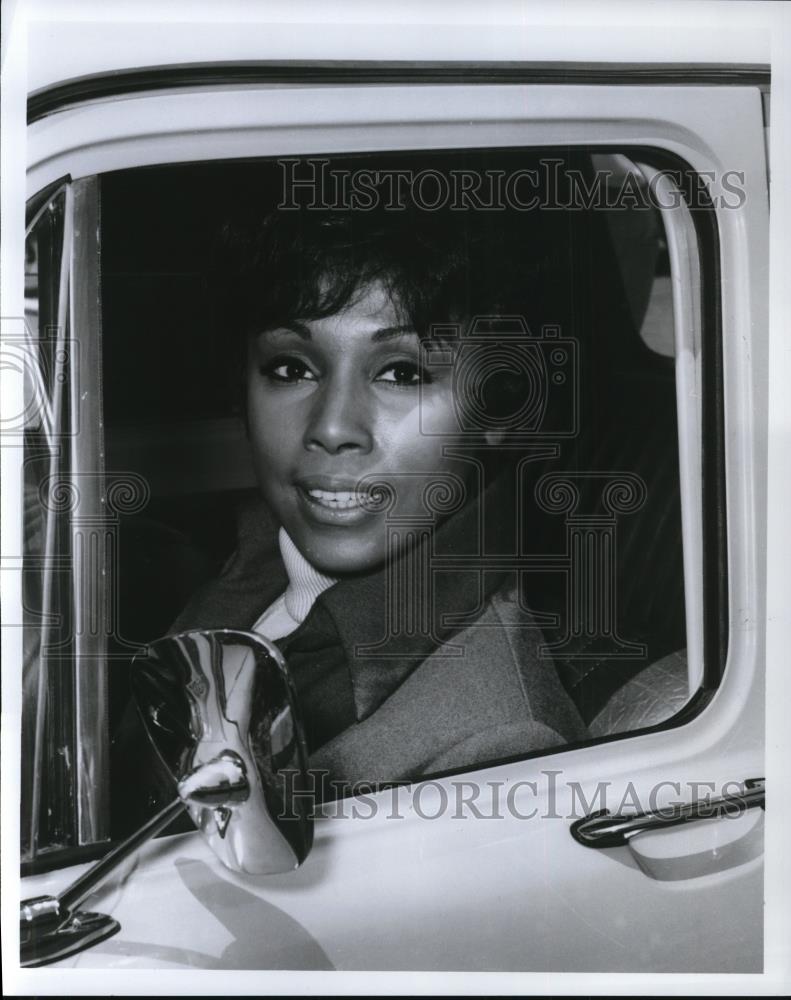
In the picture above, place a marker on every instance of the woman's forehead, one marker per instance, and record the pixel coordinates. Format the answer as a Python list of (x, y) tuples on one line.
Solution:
[(373, 304)]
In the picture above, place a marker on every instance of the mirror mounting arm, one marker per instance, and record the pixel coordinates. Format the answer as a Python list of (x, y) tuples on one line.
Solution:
[(51, 927)]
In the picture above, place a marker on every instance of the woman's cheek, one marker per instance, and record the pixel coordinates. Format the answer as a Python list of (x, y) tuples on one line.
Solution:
[(433, 417), (270, 431)]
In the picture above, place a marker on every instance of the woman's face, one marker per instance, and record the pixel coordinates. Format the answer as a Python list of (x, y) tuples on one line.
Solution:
[(335, 400)]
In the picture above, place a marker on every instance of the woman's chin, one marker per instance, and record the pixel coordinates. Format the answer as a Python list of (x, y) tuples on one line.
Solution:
[(341, 557)]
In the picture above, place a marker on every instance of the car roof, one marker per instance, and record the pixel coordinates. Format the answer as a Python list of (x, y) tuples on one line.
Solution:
[(86, 38)]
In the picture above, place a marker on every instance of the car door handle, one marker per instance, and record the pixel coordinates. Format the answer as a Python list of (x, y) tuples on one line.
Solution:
[(602, 829)]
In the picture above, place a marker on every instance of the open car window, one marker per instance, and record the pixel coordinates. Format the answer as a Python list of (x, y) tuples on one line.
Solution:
[(604, 503)]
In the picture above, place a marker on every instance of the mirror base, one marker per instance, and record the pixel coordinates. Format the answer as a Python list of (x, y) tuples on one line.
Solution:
[(81, 931)]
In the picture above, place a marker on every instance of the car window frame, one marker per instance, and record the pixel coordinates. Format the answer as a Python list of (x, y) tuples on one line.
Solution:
[(715, 632)]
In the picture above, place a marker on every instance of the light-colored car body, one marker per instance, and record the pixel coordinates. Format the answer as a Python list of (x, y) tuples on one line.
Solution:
[(417, 878)]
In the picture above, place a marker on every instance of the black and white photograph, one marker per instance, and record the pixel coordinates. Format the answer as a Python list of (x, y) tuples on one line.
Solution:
[(395, 476)]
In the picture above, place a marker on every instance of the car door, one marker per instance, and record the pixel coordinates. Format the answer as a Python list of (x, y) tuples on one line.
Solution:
[(489, 869)]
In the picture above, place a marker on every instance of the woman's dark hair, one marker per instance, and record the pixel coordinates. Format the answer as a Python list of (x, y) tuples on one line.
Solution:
[(306, 264)]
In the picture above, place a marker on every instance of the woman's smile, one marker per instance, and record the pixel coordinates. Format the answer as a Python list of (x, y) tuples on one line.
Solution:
[(329, 503), (337, 500)]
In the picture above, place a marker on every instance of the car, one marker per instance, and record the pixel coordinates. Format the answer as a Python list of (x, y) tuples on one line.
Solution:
[(645, 184)]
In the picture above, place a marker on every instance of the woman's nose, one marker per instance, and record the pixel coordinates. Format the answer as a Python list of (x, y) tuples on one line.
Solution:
[(339, 420)]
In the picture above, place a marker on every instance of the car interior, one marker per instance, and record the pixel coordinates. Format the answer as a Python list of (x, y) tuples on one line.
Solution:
[(173, 414)]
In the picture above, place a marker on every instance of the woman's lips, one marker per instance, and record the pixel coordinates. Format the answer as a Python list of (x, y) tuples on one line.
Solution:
[(338, 499), (339, 507)]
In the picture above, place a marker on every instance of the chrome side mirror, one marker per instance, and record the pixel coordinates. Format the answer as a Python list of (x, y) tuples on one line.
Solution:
[(220, 710)]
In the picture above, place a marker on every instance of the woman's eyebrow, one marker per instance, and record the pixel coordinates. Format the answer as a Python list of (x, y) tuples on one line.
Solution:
[(392, 331), (294, 326)]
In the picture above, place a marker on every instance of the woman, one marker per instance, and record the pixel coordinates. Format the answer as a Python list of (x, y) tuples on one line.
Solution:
[(376, 478)]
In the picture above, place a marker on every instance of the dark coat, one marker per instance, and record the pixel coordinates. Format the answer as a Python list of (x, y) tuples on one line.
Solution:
[(383, 704)]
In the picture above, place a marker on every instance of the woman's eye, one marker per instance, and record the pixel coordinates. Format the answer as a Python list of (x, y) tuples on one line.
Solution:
[(404, 374), (288, 371)]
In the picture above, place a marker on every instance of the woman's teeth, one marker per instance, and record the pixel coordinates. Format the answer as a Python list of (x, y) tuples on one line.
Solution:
[(340, 500)]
